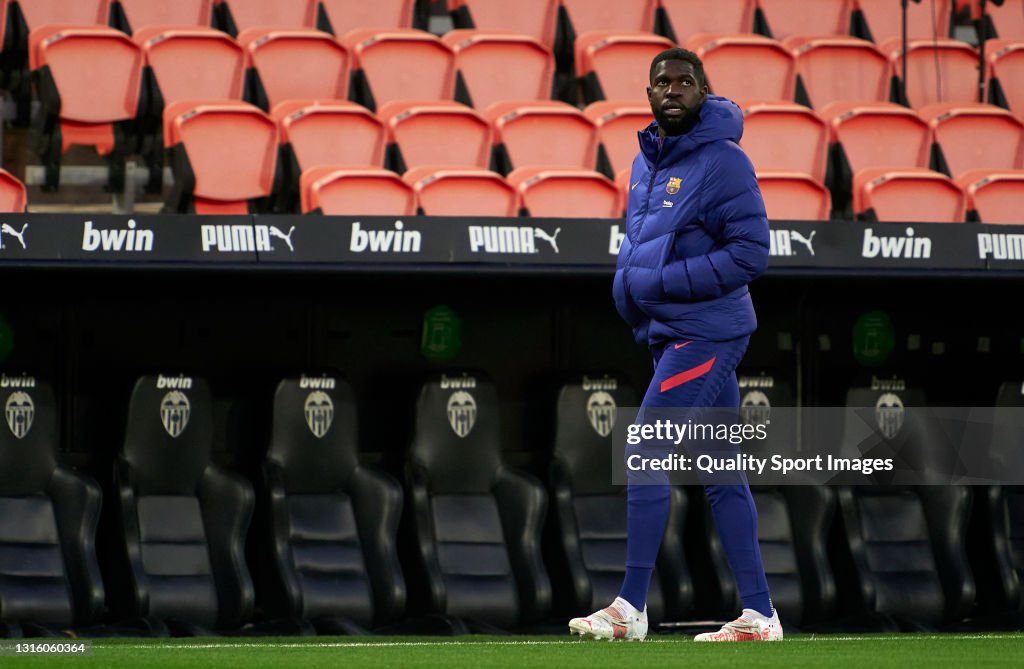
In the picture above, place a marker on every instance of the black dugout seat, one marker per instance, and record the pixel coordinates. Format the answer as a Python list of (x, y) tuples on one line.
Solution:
[(996, 536), (905, 556), (901, 553), (996, 541), (333, 522), (589, 512), (49, 574), (183, 520), (793, 521), (476, 523)]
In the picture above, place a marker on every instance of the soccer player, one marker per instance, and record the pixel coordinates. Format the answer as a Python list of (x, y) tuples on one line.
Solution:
[(697, 235)]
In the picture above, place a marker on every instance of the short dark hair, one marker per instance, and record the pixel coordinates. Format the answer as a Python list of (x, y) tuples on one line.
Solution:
[(680, 54)]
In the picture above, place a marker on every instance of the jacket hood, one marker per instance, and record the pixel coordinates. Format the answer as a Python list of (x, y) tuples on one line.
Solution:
[(719, 118)]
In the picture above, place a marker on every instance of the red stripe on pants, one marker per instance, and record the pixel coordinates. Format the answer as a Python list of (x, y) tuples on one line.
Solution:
[(689, 375)]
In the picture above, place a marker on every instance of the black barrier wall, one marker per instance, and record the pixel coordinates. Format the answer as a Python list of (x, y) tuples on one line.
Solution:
[(416, 240)]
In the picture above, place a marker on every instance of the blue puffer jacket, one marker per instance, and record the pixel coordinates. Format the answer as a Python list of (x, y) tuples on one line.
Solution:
[(696, 233)]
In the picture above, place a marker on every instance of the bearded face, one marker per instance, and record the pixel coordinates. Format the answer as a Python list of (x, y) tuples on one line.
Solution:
[(676, 93)]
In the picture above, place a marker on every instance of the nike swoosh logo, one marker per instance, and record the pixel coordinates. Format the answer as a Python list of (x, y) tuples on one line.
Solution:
[(634, 185), (685, 343)]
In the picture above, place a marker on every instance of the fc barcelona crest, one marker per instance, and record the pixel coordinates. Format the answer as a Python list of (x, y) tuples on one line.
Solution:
[(601, 412), (461, 412), (319, 412), (674, 183), (174, 412), (19, 412)]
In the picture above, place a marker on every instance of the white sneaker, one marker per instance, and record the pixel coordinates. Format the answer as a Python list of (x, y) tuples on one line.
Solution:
[(619, 621), (751, 626)]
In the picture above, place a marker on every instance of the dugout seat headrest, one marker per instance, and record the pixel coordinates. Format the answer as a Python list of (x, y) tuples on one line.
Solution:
[(314, 433), (760, 395), (584, 427), (456, 438), (757, 389), (888, 398), (169, 434), (921, 451), (28, 435)]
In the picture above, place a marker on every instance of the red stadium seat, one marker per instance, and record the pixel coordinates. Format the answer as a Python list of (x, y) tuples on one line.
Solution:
[(192, 62), (240, 15), (13, 196), (479, 54), (566, 193), (536, 18), (839, 69), (400, 65), (294, 64), (728, 66), (131, 15), (622, 181), (1005, 78), (1007, 19), (315, 133), (349, 191), (954, 80), (617, 126), (330, 132), (873, 135), (878, 135), (183, 63), (436, 133), (793, 17), (693, 17), (615, 66), (88, 79), (880, 20), (38, 13), (224, 155), (542, 133), (461, 191), (907, 195), (19, 19), (786, 137), (342, 16), (975, 136), (994, 196), (790, 196), (625, 15)]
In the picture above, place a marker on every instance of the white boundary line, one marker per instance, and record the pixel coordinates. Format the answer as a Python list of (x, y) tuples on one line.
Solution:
[(554, 642)]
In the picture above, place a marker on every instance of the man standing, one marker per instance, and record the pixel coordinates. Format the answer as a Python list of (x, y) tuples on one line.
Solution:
[(696, 236)]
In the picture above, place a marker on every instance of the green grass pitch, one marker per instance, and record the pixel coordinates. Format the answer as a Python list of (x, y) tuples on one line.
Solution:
[(876, 651)]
